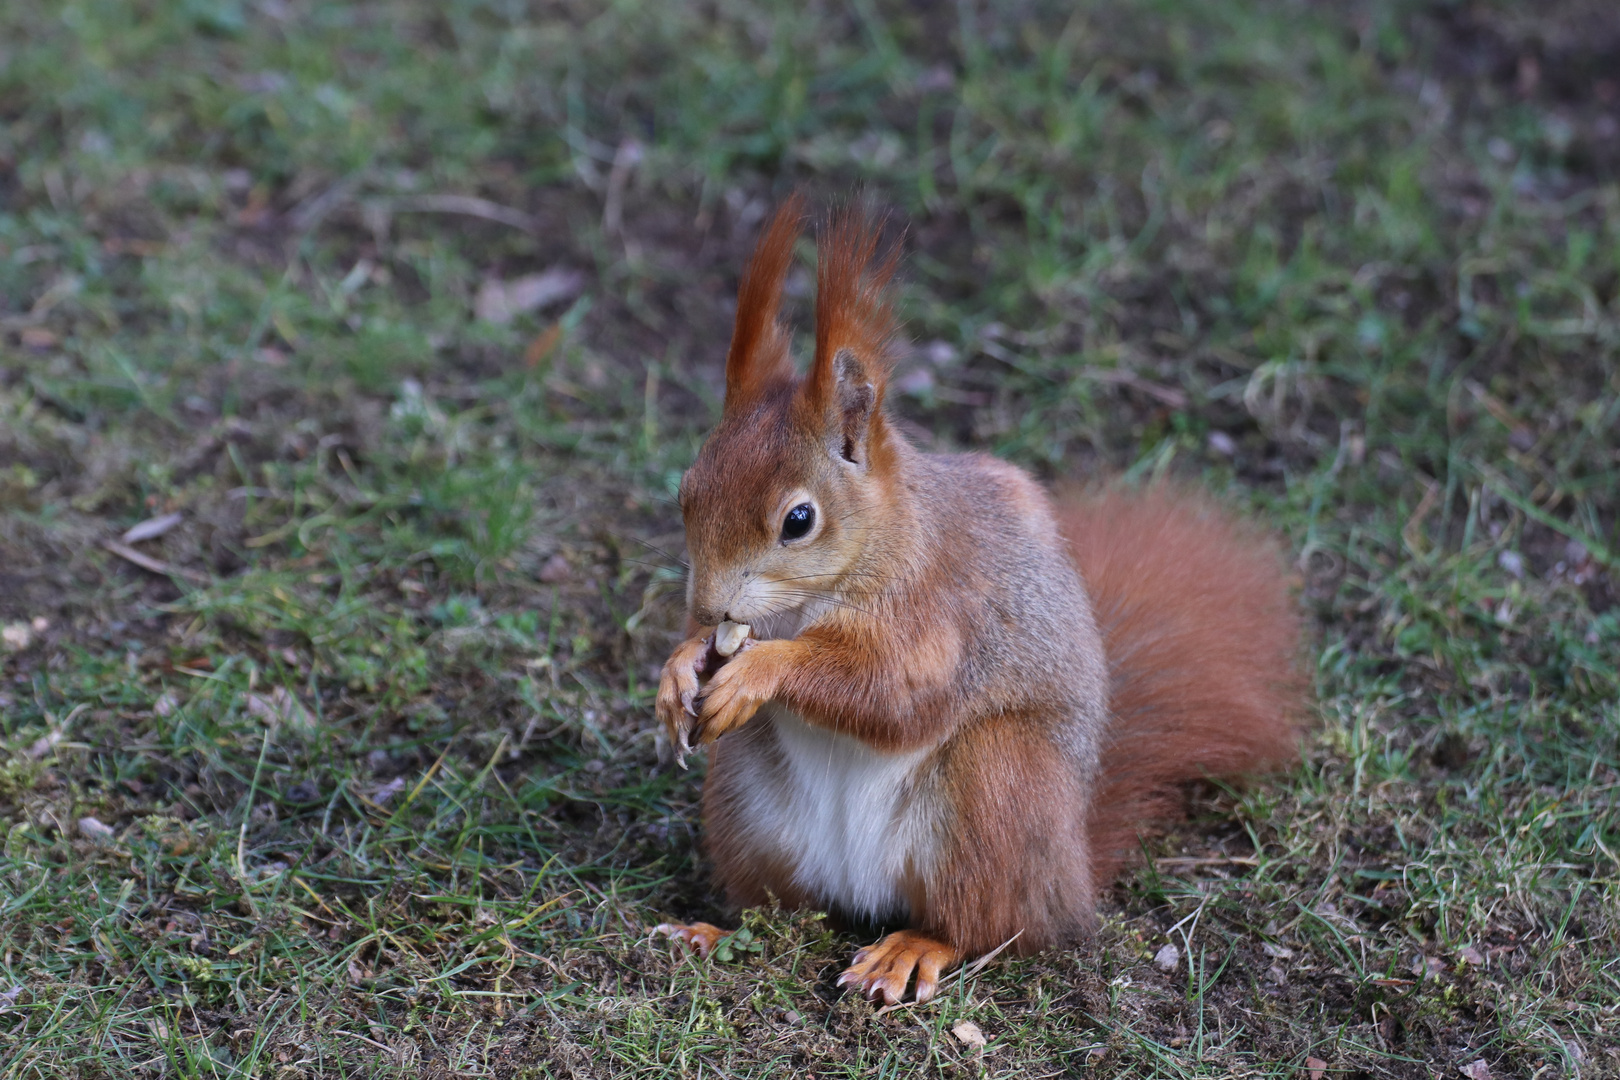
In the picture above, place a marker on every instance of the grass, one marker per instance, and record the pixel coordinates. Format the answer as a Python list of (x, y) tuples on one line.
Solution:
[(369, 754)]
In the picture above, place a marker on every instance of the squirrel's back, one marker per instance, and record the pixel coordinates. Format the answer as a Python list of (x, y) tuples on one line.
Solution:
[(1201, 641)]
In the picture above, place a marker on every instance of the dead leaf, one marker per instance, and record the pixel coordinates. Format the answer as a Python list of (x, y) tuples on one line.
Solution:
[(543, 345), (1316, 1067), (37, 337), (146, 562), (125, 245), (152, 528), (502, 301), (555, 570), (1470, 955), (917, 382), (388, 791), (43, 745), (94, 829), (970, 1035), (280, 706), (1476, 1070)]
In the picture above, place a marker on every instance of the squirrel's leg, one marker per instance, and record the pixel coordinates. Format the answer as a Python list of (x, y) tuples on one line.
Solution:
[(885, 969), (700, 937)]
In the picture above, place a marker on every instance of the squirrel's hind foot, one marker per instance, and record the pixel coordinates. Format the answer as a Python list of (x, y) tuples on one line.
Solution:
[(884, 969)]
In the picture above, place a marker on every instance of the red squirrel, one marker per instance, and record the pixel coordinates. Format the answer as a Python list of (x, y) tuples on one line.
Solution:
[(959, 701)]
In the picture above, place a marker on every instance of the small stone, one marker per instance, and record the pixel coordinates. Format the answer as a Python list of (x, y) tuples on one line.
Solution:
[(1167, 958), (93, 829), (1470, 955), (1316, 1067), (556, 569), (1476, 1070)]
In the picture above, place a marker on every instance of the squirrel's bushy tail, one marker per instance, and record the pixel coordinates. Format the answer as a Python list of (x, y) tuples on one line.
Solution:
[(1202, 642)]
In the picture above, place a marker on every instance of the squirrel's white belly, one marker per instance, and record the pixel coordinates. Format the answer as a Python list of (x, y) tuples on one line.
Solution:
[(847, 817)]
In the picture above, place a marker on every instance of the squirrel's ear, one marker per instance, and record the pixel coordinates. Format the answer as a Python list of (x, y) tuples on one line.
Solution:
[(855, 399), (758, 357), (854, 334)]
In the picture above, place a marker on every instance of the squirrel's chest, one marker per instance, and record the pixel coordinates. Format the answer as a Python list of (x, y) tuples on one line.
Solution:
[(855, 824)]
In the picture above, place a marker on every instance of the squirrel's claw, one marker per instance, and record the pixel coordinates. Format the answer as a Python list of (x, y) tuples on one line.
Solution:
[(677, 694), (700, 937), (884, 969)]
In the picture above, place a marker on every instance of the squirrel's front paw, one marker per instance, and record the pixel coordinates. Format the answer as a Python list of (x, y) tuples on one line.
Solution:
[(676, 705), (737, 690)]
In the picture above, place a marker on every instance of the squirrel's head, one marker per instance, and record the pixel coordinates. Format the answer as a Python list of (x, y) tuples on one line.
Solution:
[(785, 495)]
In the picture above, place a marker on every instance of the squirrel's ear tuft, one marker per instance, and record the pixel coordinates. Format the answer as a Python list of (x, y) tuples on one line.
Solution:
[(758, 357), (854, 331)]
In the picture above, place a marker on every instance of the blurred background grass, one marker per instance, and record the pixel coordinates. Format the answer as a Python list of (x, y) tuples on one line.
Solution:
[(413, 313)]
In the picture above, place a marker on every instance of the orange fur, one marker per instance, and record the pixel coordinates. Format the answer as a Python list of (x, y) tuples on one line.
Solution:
[(1201, 639), (853, 310), (1011, 875), (758, 357)]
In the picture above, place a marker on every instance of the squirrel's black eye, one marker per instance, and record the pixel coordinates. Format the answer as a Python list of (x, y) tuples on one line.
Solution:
[(798, 522)]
